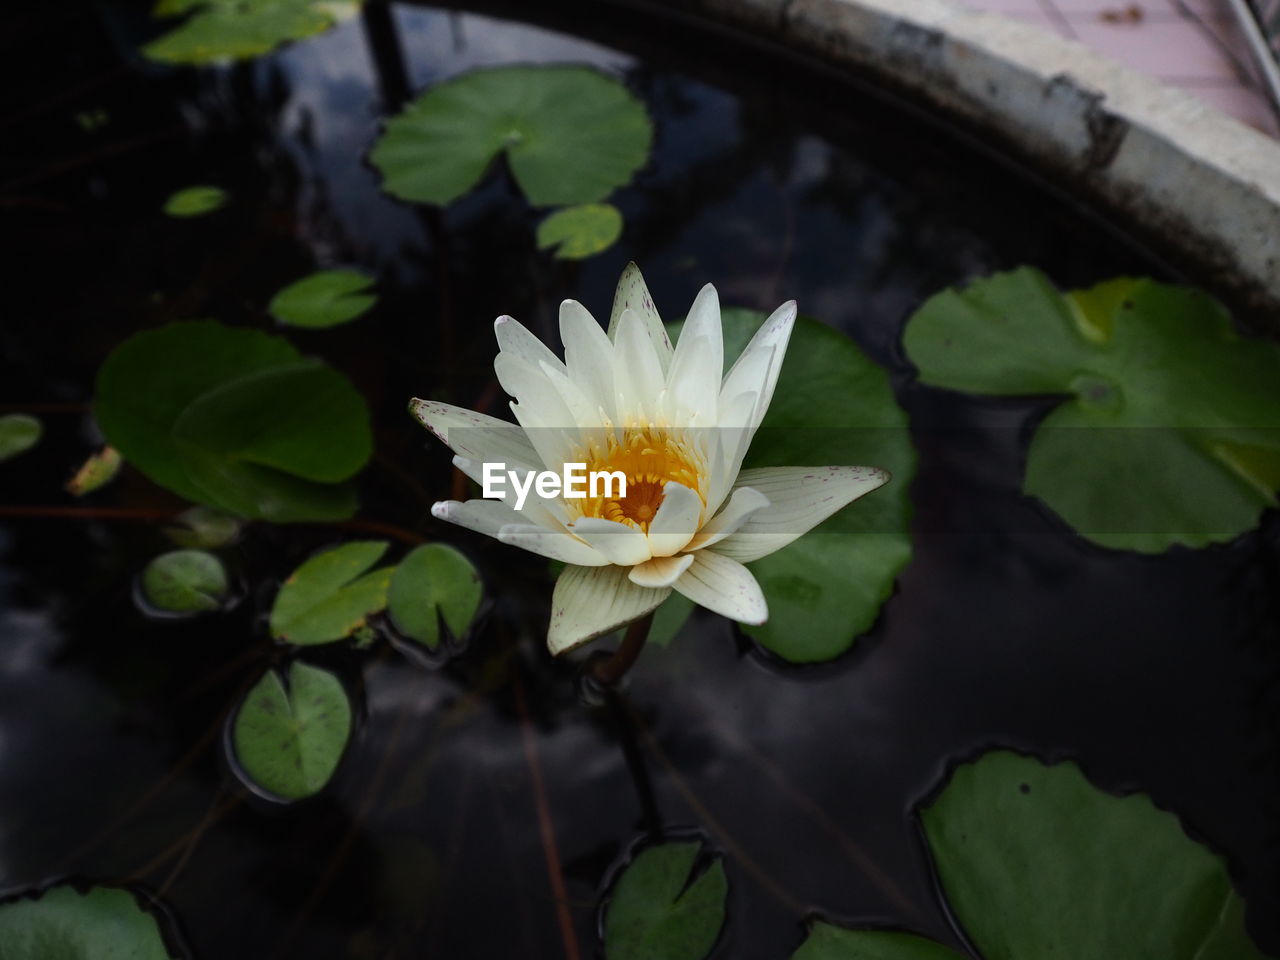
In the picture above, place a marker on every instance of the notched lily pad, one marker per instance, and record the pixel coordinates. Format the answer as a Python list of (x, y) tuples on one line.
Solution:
[(1169, 430), (18, 434), (330, 596), (658, 910), (64, 923), (570, 135), (96, 472), (195, 201), (576, 233), (1035, 861), (222, 30), (434, 583), (288, 741), (185, 581), (324, 299)]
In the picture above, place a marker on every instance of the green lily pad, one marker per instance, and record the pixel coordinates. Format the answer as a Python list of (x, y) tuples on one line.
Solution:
[(18, 434), (204, 527), (434, 582), (576, 233), (1037, 862), (185, 581), (656, 911), (289, 741), (324, 299), (96, 472), (195, 201), (62, 923), (220, 30), (1169, 430), (235, 419), (832, 406), (330, 596), (570, 135)]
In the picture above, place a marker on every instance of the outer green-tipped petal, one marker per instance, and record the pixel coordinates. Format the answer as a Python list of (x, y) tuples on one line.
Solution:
[(676, 521), (800, 498), (633, 294), (744, 502), (476, 436), (660, 571), (618, 542), (589, 602), (724, 586)]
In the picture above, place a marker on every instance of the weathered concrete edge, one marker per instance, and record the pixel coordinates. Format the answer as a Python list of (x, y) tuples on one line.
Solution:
[(1207, 185)]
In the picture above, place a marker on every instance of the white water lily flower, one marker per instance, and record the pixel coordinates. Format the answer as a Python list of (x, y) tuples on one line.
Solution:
[(677, 426)]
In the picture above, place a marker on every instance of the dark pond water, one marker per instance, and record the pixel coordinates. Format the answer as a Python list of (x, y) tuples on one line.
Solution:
[(770, 179)]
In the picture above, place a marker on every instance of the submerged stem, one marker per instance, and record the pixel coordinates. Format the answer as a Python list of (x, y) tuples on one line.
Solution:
[(608, 672)]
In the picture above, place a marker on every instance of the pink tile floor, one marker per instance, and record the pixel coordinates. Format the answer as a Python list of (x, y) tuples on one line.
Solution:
[(1191, 44)]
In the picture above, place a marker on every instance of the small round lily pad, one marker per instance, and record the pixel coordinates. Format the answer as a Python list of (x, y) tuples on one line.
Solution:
[(185, 581), (195, 201)]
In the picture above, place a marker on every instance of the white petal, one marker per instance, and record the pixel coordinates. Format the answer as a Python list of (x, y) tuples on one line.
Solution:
[(545, 513), (756, 369), (744, 502), (534, 390), (621, 544), (557, 546), (799, 499), (724, 586), (588, 355), (633, 294), (637, 374), (476, 435), (693, 381), (515, 338), (660, 571), (589, 602), (677, 520)]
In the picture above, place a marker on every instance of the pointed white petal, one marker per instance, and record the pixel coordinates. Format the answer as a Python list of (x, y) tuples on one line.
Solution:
[(588, 355), (637, 374), (557, 546), (589, 602), (545, 513), (756, 369), (724, 586), (623, 545), (799, 499), (744, 502), (475, 435), (514, 338), (677, 520), (693, 381), (534, 390), (660, 571), (482, 516), (633, 294)]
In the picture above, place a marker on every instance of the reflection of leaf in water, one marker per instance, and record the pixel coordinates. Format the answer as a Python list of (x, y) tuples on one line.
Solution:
[(570, 135), (656, 910), (63, 923), (218, 30), (576, 233), (1169, 432), (1037, 862)]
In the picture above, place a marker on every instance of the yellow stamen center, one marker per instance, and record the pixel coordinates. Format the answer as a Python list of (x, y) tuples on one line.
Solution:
[(648, 456)]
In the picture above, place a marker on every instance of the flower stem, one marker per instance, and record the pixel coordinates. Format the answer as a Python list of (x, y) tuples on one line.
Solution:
[(607, 673)]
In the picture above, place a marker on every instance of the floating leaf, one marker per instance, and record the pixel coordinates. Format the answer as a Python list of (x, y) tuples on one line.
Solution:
[(18, 434), (100, 469), (324, 299), (832, 406), (1169, 432), (204, 527), (102, 923), (235, 419), (185, 581), (570, 135), (1037, 862), (195, 201), (655, 911), (580, 232), (289, 741), (434, 582), (219, 30), (330, 596)]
